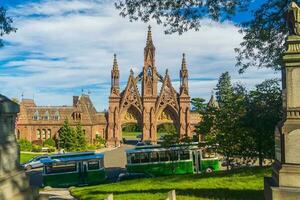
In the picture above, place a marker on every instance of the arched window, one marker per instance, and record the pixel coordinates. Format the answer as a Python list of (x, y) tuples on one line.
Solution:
[(76, 116), (44, 134), (46, 116), (56, 116), (49, 133), (38, 134), (36, 115)]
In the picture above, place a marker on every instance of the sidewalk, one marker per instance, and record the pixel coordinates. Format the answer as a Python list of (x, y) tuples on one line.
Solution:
[(56, 194)]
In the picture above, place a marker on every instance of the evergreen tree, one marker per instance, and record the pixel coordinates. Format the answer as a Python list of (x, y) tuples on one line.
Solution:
[(224, 89), (80, 138), (198, 105), (67, 139)]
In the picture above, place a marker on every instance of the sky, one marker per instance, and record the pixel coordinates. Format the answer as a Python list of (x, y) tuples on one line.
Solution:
[(65, 47)]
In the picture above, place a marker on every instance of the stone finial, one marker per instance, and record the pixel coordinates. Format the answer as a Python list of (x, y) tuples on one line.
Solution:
[(115, 62), (183, 65), (149, 36), (293, 18), (167, 71), (131, 72)]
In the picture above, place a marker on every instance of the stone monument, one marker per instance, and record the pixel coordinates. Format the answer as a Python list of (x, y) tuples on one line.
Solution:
[(285, 180), (14, 184)]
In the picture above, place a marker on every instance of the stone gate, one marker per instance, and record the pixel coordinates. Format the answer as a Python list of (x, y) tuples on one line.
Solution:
[(148, 107)]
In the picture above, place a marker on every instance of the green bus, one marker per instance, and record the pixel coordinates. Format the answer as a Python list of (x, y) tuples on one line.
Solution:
[(73, 169), (179, 159)]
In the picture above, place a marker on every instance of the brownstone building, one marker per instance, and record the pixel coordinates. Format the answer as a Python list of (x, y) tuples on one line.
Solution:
[(43, 122), (148, 108)]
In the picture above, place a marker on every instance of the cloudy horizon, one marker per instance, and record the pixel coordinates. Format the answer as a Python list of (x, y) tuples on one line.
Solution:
[(62, 47)]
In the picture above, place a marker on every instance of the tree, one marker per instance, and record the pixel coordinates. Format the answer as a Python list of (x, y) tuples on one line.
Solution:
[(264, 111), (224, 90), (67, 139), (5, 25), (221, 126), (198, 105), (180, 16), (80, 140), (264, 32)]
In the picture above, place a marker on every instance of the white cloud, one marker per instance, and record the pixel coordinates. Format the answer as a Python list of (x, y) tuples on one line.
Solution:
[(64, 45)]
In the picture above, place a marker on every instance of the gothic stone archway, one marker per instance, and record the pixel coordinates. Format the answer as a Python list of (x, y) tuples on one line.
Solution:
[(147, 105)]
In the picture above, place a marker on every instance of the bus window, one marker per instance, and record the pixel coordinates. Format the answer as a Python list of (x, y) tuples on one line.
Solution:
[(135, 158), (163, 156), (93, 165), (61, 168), (144, 157), (154, 157), (208, 154), (173, 155), (184, 155)]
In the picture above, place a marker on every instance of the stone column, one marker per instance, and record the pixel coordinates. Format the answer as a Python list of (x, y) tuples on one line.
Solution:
[(14, 183), (285, 181)]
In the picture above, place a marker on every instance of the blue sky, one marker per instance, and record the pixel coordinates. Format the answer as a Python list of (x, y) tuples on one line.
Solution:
[(65, 46)]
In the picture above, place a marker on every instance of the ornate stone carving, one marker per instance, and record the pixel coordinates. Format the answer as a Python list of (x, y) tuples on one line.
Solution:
[(293, 19)]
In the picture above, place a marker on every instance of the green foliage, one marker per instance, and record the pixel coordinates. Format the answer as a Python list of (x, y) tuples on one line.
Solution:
[(264, 34), (166, 128), (198, 105), (99, 142), (25, 145), (67, 137), (244, 184), (36, 148), (131, 128), (91, 147), (72, 139), (80, 140), (49, 142), (179, 16), (243, 125), (264, 37), (266, 97), (5, 24)]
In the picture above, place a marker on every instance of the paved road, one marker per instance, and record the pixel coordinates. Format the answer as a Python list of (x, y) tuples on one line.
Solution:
[(115, 162)]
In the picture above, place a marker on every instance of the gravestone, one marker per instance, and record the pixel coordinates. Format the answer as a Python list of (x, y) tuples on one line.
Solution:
[(285, 180), (14, 184)]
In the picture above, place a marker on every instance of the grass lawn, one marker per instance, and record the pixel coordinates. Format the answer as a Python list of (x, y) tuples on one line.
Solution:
[(132, 135), (238, 184), (24, 157)]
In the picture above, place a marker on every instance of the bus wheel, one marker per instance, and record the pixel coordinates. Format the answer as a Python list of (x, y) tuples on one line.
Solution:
[(209, 170)]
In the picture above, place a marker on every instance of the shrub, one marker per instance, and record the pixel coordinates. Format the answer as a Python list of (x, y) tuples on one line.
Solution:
[(91, 147), (36, 148), (51, 148), (49, 143), (38, 142), (25, 145)]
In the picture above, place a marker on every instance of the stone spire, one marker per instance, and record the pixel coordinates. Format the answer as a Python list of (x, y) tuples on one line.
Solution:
[(115, 75), (213, 102), (149, 37), (183, 64), (184, 88), (149, 50), (115, 63)]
